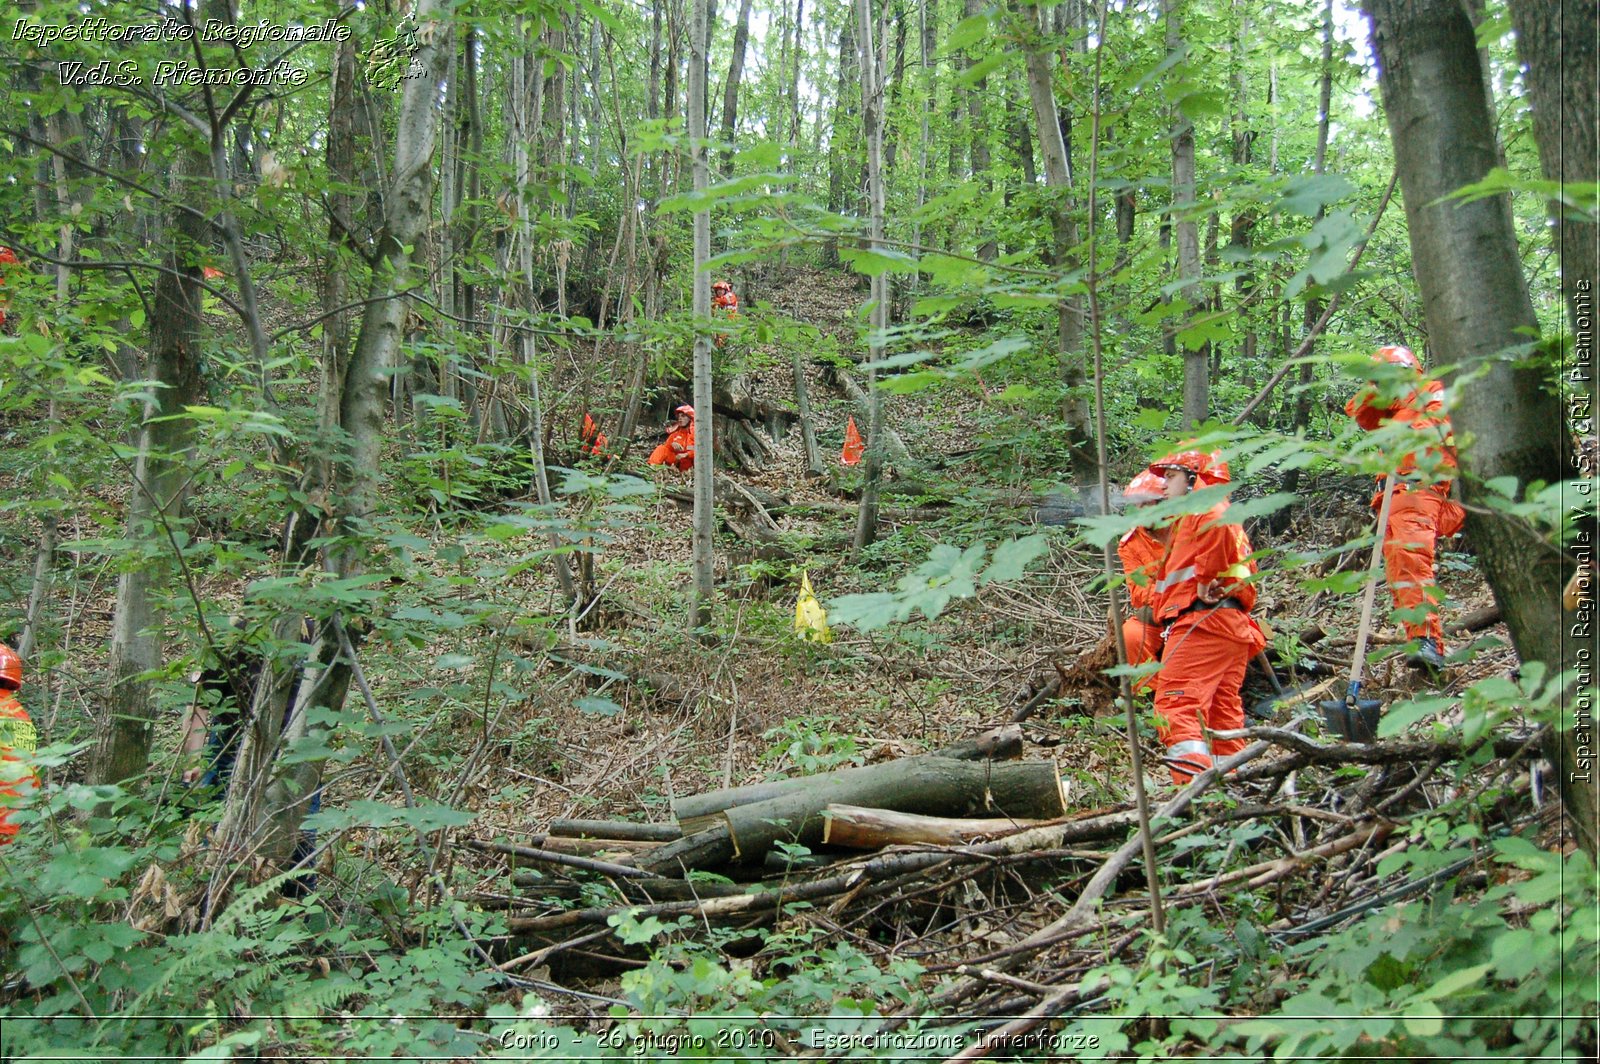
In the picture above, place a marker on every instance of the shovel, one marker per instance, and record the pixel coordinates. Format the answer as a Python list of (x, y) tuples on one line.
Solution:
[(1263, 710), (1354, 717)]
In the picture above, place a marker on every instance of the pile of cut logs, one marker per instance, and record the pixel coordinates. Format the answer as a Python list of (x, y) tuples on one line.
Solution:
[(969, 792)]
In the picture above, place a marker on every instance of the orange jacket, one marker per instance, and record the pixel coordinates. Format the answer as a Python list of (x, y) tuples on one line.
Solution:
[(681, 441), (17, 737), (1423, 410), (1141, 561), (728, 302), (1203, 548)]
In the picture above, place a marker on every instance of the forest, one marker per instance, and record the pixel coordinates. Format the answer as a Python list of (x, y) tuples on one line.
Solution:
[(610, 529)]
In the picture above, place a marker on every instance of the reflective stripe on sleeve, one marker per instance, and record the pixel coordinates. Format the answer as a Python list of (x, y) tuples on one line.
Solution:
[(1189, 746), (1174, 578)]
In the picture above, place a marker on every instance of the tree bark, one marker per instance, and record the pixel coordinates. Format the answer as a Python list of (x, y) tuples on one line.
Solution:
[(1196, 356), (269, 799), (856, 828), (1477, 307), (978, 147), (932, 786), (1064, 234), (1301, 416), (695, 812), (730, 91), (839, 154), (878, 319), (522, 132), (704, 515), (1559, 41), (122, 747)]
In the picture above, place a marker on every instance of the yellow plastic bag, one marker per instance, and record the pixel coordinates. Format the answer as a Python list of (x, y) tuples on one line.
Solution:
[(810, 619)]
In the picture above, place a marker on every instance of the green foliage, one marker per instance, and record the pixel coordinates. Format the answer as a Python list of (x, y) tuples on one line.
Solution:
[(948, 574), (804, 746)]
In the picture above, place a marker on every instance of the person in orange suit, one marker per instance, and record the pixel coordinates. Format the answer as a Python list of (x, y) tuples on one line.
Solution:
[(18, 740), (591, 439), (1422, 509), (7, 258), (679, 448), (1202, 599), (724, 302), (1141, 550)]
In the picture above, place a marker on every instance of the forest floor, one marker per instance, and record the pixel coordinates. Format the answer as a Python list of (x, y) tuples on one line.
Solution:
[(758, 702), (755, 701)]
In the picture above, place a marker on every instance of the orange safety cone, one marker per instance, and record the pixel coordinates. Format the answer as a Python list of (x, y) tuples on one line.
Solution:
[(853, 448)]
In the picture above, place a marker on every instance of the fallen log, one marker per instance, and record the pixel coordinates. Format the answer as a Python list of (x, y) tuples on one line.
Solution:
[(932, 785), (696, 812), (529, 853), (855, 828), (644, 890), (594, 847), (614, 829)]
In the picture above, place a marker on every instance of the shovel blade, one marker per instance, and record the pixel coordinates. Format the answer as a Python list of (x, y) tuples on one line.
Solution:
[(1355, 720)]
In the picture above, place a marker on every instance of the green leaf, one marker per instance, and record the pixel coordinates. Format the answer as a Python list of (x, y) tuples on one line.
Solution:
[(1423, 1019), (868, 612), (598, 705), (1307, 195), (883, 260), (1397, 719), (1460, 979), (433, 817), (966, 33), (1011, 558)]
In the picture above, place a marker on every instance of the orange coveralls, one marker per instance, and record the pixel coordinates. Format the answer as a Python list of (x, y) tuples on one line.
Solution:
[(17, 737), (1207, 647), (728, 303), (7, 258), (593, 441), (1419, 513), (677, 451), (1141, 561)]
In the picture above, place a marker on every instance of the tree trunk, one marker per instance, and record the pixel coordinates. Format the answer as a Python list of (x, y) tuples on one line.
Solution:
[(1477, 307), (704, 514), (268, 799), (522, 132), (878, 320), (978, 131), (1196, 355), (730, 91), (1058, 178), (122, 747), (1301, 417), (839, 155), (1559, 42)]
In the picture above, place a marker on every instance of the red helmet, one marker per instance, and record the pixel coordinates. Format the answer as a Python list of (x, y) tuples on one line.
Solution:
[(1195, 463), (1146, 487), (1216, 471), (7, 255), (721, 284), (685, 409), (10, 668), (1396, 355)]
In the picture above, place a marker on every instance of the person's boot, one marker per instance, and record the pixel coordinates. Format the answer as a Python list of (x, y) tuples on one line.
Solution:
[(1427, 656)]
